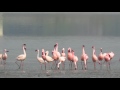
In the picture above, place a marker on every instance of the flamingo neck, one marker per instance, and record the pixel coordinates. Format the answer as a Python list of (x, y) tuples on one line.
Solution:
[(38, 54), (101, 51), (24, 51), (5, 53), (57, 48), (62, 51), (93, 51), (83, 50)]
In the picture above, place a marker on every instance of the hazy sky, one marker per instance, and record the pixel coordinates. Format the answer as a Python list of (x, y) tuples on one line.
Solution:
[(61, 23)]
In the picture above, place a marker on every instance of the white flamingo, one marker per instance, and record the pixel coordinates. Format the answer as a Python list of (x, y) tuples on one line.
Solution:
[(22, 57), (48, 58), (40, 59), (62, 58)]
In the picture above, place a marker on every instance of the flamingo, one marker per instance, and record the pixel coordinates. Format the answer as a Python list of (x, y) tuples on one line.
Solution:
[(94, 57), (101, 57), (107, 60), (62, 58), (111, 54), (40, 59), (56, 54), (56, 49), (5, 56), (108, 56), (70, 56), (1, 58), (48, 58), (75, 59), (84, 58), (21, 57), (43, 54), (63, 52)]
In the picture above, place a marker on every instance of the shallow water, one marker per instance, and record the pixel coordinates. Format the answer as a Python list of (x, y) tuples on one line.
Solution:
[(32, 67)]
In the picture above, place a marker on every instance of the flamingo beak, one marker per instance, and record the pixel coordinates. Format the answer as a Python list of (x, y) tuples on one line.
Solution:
[(35, 50), (7, 51)]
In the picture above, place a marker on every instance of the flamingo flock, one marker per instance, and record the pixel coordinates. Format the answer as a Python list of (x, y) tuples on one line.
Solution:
[(59, 58)]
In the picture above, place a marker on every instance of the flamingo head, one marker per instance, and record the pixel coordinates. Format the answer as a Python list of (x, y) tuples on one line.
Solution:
[(36, 50), (47, 52), (63, 50), (93, 47), (101, 49), (24, 45), (69, 49), (83, 45), (6, 50)]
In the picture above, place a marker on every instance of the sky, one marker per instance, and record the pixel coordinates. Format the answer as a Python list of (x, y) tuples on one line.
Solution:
[(61, 23)]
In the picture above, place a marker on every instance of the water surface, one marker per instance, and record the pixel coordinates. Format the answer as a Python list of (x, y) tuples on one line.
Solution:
[(32, 67)]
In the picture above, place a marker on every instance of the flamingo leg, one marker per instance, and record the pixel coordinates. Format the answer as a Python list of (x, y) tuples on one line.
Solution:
[(1, 61), (20, 65), (45, 66), (109, 65), (41, 66), (101, 65), (71, 64), (82, 65), (58, 65), (4, 64), (64, 64), (85, 65), (52, 65), (17, 64), (94, 65), (75, 65)]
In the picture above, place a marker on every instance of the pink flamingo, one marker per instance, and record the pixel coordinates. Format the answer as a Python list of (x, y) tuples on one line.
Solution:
[(94, 57), (111, 55), (107, 59), (54, 56), (22, 57), (84, 57), (75, 59), (43, 54), (40, 59), (70, 56), (101, 57), (57, 53), (5, 56)]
